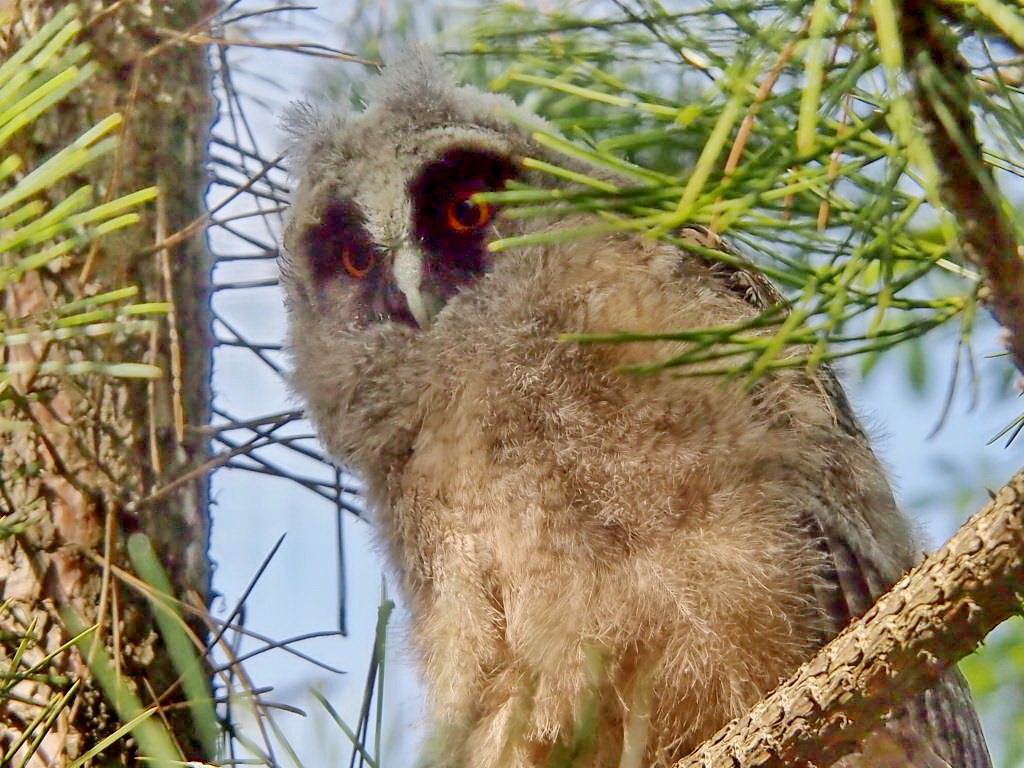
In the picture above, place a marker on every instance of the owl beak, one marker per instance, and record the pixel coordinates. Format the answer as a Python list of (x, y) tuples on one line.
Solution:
[(408, 271)]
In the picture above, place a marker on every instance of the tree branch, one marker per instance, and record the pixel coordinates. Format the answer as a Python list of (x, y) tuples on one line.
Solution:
[(943, 97), (935, 615)]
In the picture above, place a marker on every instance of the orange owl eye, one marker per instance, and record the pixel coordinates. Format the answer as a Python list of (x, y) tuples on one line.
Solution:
[(463, 215), (357, 262)]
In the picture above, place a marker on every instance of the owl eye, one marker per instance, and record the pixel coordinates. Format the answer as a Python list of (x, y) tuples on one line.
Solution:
[(449, 221), (357, 262), (338, 246), (464, 215)]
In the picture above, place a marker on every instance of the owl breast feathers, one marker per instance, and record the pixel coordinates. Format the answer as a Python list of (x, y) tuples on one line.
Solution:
[(601, 569)]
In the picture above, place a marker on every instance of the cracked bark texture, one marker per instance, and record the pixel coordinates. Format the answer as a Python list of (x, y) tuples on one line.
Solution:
[(77, 454), (934, 616)]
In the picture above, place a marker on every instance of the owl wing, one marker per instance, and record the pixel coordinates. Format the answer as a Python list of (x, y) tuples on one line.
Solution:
[(938, 728)]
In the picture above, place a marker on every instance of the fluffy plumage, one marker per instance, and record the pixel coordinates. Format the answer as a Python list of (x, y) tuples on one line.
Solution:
[(596, 565)]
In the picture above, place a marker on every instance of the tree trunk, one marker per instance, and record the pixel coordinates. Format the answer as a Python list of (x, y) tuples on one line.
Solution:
[(87, 457)]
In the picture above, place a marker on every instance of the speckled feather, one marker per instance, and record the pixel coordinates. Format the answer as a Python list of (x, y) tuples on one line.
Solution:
[(657, 552)]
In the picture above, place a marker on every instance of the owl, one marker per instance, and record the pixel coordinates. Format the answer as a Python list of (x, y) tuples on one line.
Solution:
[(601, 569)]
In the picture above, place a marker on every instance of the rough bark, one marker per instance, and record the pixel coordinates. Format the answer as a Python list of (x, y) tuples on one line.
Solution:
[(91, 447), (934, 616)]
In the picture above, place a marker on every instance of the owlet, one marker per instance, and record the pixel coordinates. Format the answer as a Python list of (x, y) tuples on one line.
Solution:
[(601, 569)]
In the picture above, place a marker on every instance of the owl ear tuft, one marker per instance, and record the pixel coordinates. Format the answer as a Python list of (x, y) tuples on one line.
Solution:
[(309, 131), (414, 82), (422, 88)]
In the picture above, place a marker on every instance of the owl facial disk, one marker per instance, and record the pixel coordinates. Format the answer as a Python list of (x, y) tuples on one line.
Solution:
[(403, 263)]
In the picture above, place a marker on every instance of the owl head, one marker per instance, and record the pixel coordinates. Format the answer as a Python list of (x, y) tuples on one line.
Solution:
[(384, 228)]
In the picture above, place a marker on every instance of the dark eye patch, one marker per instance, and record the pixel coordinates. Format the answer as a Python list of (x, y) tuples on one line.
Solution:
[(338, 242), (453, 235), (340, 248)]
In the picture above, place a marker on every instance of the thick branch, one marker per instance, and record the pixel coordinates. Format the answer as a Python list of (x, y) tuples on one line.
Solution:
[(943, 97), (935, 615)]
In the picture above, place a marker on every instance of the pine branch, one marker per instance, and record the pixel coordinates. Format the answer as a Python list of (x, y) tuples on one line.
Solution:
[(935, 615), (942, 93)]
